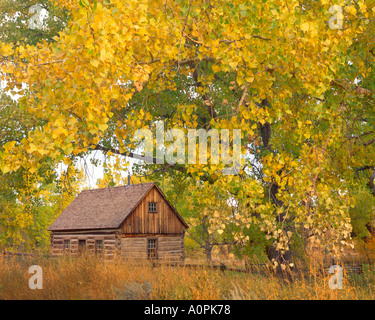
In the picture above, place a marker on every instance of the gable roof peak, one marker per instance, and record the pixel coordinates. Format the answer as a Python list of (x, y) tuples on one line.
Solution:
[(104, 208)]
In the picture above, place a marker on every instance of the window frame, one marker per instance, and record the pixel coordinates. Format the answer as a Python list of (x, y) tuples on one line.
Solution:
[(152, 207), (155, 249)]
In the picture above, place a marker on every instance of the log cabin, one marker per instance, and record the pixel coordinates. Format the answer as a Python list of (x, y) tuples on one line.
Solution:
[(134, 221)]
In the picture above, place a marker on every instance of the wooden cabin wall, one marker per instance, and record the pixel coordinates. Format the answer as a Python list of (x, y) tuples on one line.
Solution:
[(134, 248), (164, 221), (110, 244), (169, 247)]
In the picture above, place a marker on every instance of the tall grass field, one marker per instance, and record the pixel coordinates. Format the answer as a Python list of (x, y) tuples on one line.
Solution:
[(91, 278)]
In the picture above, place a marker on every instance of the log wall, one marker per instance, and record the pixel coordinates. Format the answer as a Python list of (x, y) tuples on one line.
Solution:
[(134, 247), (169, 247), (110, 243)]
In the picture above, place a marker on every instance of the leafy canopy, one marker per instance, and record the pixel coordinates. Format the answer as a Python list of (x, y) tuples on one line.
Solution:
[(301, 92)]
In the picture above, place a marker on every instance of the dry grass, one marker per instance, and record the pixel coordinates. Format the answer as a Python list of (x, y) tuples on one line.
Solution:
[(90, 278)]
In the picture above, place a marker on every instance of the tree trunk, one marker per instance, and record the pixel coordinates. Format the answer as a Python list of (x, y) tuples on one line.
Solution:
[(282, 259), (372, 182), (371, 225), (272, 253), (208, 250)]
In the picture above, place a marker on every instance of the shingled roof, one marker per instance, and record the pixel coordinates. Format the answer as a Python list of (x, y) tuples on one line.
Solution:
[(104, 208)]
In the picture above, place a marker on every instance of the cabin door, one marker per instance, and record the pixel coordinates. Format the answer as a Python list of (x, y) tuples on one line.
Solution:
[(81, 246)]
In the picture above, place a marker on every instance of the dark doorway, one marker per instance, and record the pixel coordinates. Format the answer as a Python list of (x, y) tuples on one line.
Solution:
[(81, 246)]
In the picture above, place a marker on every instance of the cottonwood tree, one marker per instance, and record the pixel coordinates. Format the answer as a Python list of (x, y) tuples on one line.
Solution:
[(29, 199), (301, 92)]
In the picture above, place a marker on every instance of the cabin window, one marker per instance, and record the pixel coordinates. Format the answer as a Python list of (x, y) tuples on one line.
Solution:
[(98, 246), (152, 248), (66, 245), (152, 207)]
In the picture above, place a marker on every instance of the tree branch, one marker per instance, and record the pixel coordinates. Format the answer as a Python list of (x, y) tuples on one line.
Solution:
[(127, 154)]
